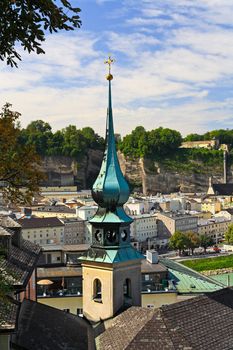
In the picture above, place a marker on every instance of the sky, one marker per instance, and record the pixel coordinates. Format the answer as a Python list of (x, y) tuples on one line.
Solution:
[(174, 68)]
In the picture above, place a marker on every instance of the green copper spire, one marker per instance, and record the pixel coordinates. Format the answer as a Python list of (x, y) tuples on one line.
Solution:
[(110, 189)]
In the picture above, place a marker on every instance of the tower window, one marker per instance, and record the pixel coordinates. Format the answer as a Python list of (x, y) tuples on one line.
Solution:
[(124, 235), (97, 291), (127, 288), (111, 236)]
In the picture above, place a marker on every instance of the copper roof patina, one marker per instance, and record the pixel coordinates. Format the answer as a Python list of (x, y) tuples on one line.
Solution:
[(110, 190)]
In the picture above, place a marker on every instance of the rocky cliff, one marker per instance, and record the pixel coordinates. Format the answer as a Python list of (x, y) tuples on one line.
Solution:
[(143, 175)]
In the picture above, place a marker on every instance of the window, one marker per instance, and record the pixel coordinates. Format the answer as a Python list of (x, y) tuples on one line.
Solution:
[(127, 288), (80, 312), (66, 310), (97, 291)]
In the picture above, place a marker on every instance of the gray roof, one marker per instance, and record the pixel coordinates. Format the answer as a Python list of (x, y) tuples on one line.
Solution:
[(7, 221), (40, 222), (147, 267), (41, 327), (201, 323), (8, 315), (21, 262)]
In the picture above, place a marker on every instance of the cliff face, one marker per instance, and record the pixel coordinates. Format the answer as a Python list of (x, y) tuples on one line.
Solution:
[(151, 178), (66, 171), (144, 175)]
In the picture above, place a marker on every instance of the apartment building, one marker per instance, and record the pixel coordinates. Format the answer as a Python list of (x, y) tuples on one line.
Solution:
[(74, 230), (143, 227), (214, 227), (43, 231), (171, 222)]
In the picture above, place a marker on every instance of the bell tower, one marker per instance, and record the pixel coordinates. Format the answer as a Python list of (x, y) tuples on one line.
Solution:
[(111, 267)]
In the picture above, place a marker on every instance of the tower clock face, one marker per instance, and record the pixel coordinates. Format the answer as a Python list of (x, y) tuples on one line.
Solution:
[(111, 236)]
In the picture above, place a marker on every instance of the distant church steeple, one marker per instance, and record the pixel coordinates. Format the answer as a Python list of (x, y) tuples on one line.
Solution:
[(111, 267)]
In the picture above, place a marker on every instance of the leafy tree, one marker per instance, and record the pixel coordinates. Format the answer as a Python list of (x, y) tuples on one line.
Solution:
[(150, 144), (194, 137), (26, 22), (74, 142), (92, 139), (55, 144), (19, 172), (178, 241), (206, 241), (193, 241), (136, 143), (229, 234), (38, 134), (163, 141)]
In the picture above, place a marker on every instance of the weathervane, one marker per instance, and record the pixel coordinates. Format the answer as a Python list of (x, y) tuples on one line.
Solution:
[(109, 61)]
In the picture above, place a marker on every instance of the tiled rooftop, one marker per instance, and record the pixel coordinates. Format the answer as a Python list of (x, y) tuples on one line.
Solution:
[(21, 262), (201, 323)]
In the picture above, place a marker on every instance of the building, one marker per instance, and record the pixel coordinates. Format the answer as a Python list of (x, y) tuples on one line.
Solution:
[(111, 267), (215, 227), (86, 212), (58, 211), (205, 322), (74, 231), (223, 189), (18, 262), (209, 144), (42, 327), (138, 207), (172, 222), (211, 206), (43, 231), (144, 230), (60, 255), (163, 282)]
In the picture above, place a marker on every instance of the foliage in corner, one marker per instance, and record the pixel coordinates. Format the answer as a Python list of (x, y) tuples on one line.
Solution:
[(19, 164), (26, 22)]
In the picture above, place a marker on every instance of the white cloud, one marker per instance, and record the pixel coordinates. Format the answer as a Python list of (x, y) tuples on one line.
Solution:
[(171, 56)]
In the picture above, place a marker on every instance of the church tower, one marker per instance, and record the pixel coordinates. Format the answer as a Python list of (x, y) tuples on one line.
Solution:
[(111, 267)]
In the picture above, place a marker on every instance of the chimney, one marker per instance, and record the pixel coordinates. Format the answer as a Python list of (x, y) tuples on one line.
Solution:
[(152, 256), (5, 242)]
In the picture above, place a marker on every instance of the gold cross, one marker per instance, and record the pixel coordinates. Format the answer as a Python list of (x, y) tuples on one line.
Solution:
[(109, 61)]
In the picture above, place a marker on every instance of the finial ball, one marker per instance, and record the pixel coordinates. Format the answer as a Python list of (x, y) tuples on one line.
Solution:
[(109, 77)]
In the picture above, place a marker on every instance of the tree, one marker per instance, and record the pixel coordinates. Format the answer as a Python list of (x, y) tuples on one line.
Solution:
[(74, 142), (194, 137), (193, 241), (19, 172), (178, 241), (229, 234), (38, 134), (27, 22), (163, 141), (206, 241)]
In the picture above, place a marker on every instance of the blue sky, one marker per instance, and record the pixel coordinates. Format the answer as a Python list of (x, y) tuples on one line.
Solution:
[(174, 68)]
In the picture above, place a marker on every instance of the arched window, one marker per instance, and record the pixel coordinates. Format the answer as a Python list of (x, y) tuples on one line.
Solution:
[(127, 288), (97, 290)]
